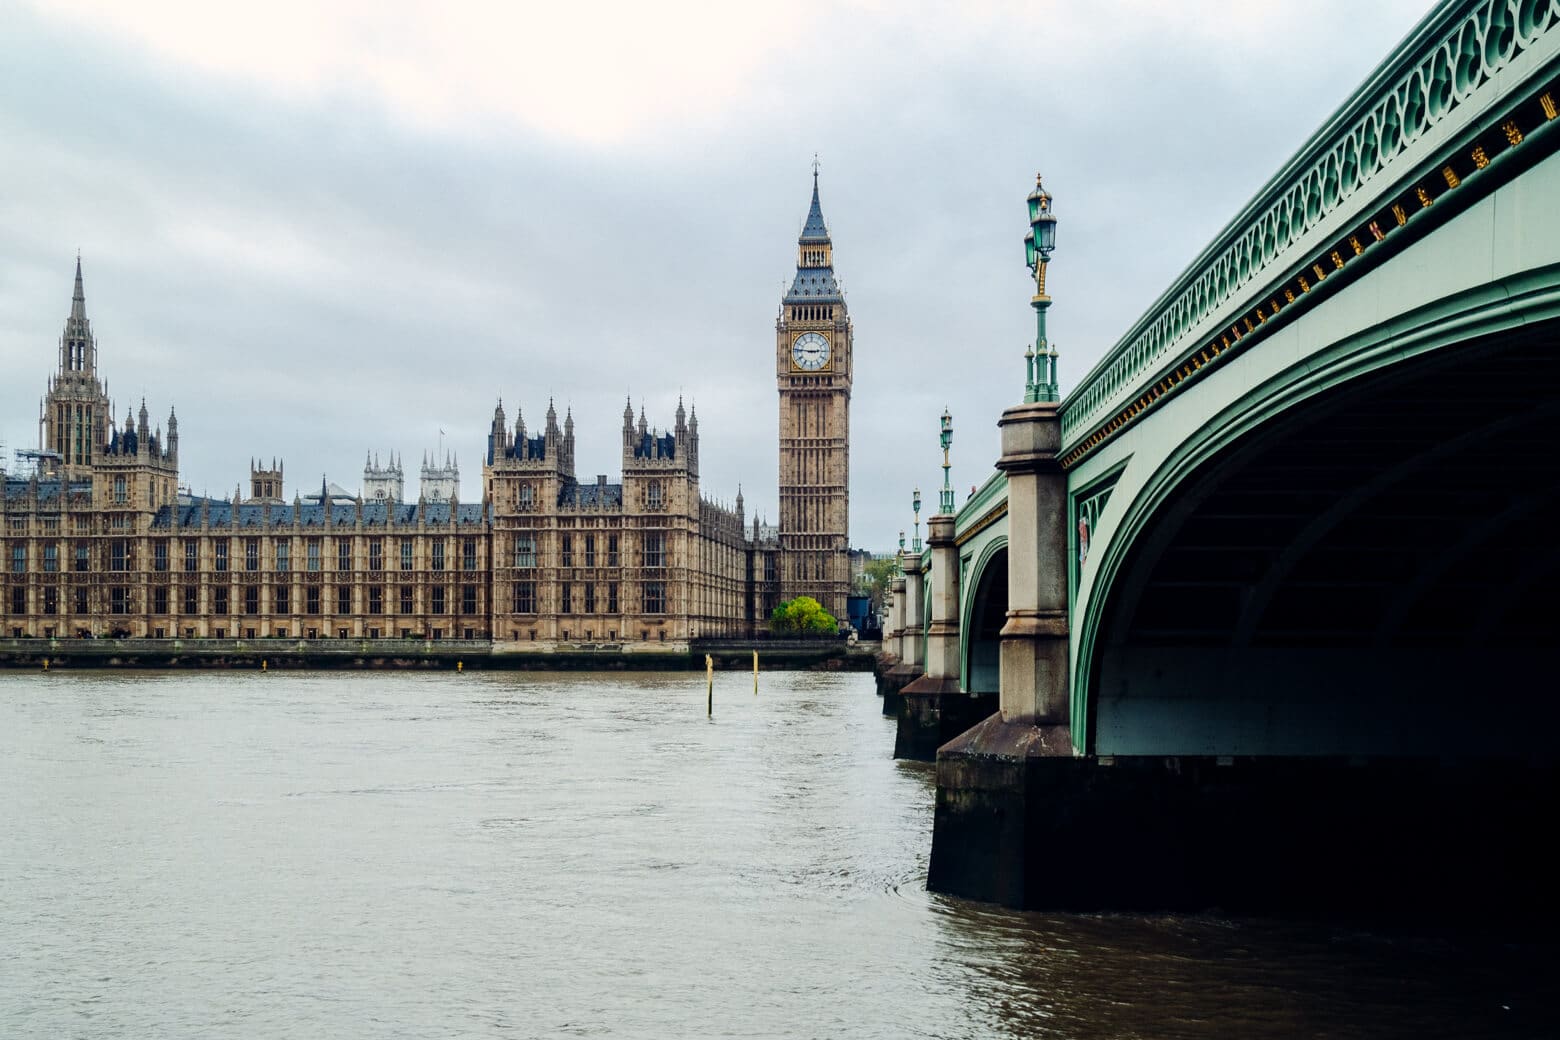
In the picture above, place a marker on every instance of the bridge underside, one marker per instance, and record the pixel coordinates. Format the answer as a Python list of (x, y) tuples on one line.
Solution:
[(1372, 576)]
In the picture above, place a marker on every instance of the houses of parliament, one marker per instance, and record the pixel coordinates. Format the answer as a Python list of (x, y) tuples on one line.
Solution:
[(99, 540)]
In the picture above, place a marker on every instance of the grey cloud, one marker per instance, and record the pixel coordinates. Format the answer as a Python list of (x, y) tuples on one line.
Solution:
[(457, 267)]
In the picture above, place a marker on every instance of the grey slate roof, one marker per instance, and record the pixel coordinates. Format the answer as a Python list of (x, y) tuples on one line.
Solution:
[(598, 496), (526, 449), (375, 514), (814, 285), (649, 446), (48, 490)]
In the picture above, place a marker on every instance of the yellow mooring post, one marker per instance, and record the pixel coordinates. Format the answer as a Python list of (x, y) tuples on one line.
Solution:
[(45, 664), (755, 673), (460, 666), (262, 664), (709, 675)]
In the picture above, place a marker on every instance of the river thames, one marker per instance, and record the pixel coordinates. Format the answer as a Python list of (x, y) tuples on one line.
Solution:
[(517, 854)]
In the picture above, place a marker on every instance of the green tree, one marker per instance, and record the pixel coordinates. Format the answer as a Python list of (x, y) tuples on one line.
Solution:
[(878, 573), (802, 616)]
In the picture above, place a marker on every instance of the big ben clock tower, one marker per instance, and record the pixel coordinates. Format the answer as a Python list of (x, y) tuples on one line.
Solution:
[(813, 367)]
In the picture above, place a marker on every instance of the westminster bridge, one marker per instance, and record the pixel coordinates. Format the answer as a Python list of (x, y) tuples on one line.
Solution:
[(1264, 604)]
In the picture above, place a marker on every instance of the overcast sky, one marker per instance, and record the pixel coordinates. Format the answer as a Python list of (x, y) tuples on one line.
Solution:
[(323, 234)]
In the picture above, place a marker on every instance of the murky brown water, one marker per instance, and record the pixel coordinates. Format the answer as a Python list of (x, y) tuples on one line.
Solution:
[(397, 855)]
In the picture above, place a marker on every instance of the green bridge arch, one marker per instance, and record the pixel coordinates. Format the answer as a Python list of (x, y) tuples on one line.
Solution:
[(1462, 320), (1326, 293)]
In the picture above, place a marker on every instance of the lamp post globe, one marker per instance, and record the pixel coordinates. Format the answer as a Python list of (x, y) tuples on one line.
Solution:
[(1042, 225), (1040, 383), (945, 502)]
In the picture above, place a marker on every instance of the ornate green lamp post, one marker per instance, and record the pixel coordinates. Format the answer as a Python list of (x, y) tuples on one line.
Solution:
[(915, 504), (946, 502), (1040, 359)]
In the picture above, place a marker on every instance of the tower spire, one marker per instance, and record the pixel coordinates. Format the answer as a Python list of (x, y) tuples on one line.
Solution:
[(78, 299), (814, 231), (78, 352), (814, 282)]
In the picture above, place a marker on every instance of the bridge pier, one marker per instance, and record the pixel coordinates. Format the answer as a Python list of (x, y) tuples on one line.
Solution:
[(1407, 838), (934, 708), (914, 593), (1034, 640), (907, 614), (988, 840), (889, 659)]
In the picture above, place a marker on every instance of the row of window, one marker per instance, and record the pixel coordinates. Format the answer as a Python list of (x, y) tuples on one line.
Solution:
[(51, 600), (120, 600), (51, 558), (652, 554), (581, 598), (586, 599), (122, 555)]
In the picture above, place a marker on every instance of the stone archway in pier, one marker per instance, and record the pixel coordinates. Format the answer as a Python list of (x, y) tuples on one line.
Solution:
[(985, 612)]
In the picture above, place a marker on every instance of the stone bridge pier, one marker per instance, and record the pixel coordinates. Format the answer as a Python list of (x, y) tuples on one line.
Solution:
[(934, 708), (1030, 817), (990, 778)]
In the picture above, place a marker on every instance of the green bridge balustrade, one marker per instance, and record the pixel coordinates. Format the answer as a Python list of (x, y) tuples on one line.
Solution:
[(1309, 495)]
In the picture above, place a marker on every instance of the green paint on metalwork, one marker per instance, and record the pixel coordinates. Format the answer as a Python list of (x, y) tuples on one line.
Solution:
[(1396, 127), (986, 497), (1083, 518), (1317, 193), (1525, 297)]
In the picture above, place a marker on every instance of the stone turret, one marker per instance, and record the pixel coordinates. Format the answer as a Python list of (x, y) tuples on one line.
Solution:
[(75, 415), (498, 434), (567, 453), (265, 483), (691, 438), (439, 482), (383, 483)]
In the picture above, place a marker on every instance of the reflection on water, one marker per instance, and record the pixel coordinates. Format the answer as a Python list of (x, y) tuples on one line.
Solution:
[(405, 855)]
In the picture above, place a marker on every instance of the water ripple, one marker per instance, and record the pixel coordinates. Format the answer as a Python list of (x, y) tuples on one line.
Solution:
[(188, 855)]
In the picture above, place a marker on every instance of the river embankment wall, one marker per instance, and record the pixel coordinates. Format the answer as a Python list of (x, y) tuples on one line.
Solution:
[(725, 655)]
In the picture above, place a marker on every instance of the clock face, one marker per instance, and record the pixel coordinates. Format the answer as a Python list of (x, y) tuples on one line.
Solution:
[(810, 351)]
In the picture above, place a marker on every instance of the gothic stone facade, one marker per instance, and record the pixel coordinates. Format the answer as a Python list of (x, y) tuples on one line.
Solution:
[(98, 540), (644, 561)]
